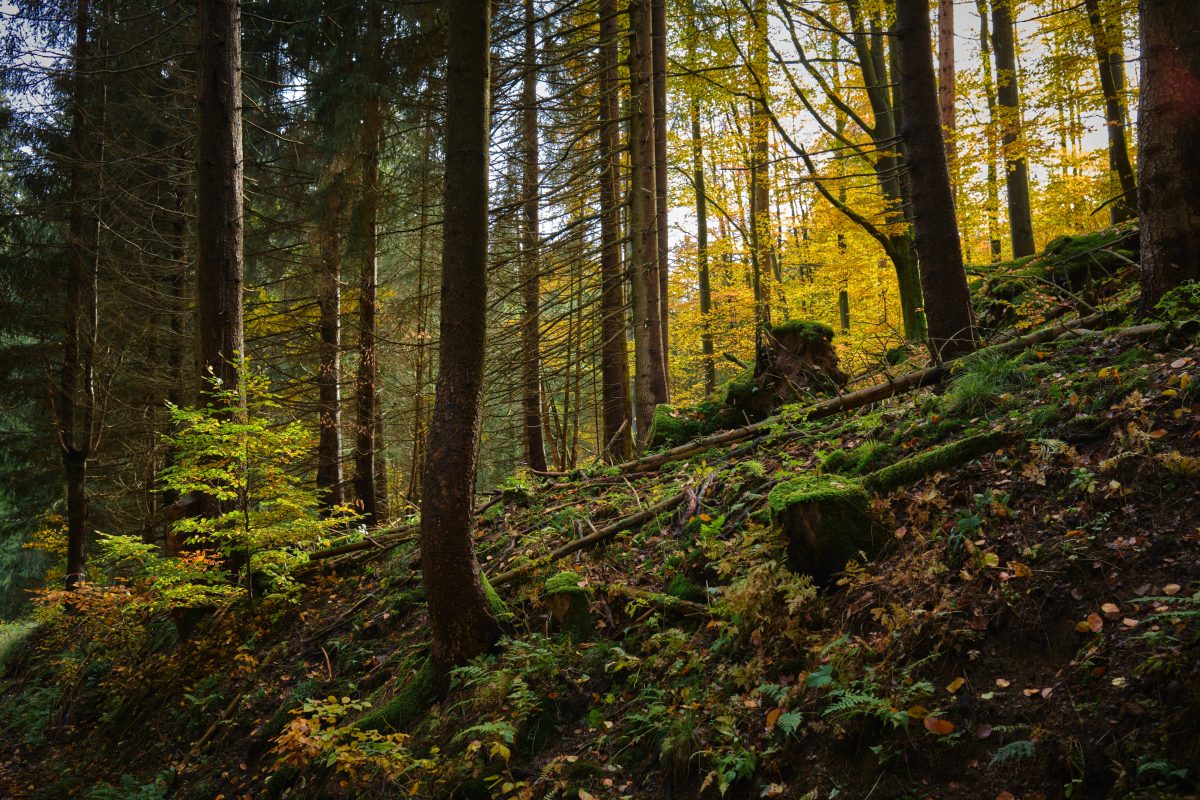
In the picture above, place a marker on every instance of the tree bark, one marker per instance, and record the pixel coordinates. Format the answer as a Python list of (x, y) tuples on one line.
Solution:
[(1020, 214), (761, 244), (329, 300), (943, 278), (618, 433), (649, 358), (461, 623), (658, 11), (531, 324), (368, 419), (1169, 147), (1119, 166), (706, 338), (219, 197), (75, 387), (946, 83), (992, 206)]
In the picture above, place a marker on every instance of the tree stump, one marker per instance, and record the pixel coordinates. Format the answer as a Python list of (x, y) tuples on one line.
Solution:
[(796, 361)]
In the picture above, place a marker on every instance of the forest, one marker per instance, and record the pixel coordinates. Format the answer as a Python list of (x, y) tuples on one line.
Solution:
[(599, 399)]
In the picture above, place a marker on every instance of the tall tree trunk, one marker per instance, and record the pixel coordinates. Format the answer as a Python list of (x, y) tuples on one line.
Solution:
[(992, 204), (706, 339), (618, 433), (658, 12), (946, 84), (943, 278), (763, 250), (329, 373), (461, 623), (649, 357), (367, 413), (1169, 147), (419, 432), (76, 388), (219, 197), (1119, 166), (531, 324), (1020, 213)]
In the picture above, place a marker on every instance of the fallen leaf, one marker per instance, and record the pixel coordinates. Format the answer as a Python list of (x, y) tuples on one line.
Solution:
[(1171, 589), (955, 685), (1129, 622), (1005, 796), (983, 730), (939, 726), (1002, 683), (1111, 610), (773, 717), (918, 712), (1094, 622), (586, 795), (1049, 690)]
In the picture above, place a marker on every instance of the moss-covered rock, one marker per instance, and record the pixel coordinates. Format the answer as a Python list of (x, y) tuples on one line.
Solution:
[(570, 605), (936, 459), (826, 520)]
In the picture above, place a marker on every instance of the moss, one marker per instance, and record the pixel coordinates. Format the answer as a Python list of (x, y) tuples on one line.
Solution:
[(856, 460), (683, 588), (937, 459), (570, 604), (408, 704), (804, 330), (740, 387), (826, 520), (673, 426), (495, 602)]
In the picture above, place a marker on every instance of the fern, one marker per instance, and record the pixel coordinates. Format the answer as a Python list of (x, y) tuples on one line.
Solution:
[(789, 722), (1013, 751)]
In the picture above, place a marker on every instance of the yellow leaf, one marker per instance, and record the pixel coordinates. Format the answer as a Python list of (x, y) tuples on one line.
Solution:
[(918, 712), (586, 795), (501, 750), (955, 685), (1171, 589)]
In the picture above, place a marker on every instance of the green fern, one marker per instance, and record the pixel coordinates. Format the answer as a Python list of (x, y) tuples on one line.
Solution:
[(1013, 751)]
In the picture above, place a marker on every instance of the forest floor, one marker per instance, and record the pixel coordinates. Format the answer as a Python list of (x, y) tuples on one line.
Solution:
[(1027, 629)]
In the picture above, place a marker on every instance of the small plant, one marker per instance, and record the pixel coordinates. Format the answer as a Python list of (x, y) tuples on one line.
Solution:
[(1083, 480), (983, 381), (1013, 751)]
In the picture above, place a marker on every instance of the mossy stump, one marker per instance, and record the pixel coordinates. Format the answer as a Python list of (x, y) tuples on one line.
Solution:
[(796, 360), (937, 459), (570, 605), (827, 522)]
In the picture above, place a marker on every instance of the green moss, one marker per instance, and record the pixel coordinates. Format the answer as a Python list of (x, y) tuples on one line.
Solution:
[(673, 426), (804, 330), (856, 460), (683, 588), (570, 604), (740, 387), (937, 459), (407, 705), (495, 603), (826, 520)]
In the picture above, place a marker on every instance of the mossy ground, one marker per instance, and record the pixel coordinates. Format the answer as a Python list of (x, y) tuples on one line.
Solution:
[(1009, 610)]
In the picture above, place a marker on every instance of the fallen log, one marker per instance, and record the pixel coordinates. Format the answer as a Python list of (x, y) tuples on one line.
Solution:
[(848, 402), (607, 532)]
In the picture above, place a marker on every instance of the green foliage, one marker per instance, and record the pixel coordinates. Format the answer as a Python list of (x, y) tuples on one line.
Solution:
[(1181, 302), (249, 459), (983, 380), (132, 788), (937, 459), (13, 638), (28, 715), (192, 580), (1013, 751)]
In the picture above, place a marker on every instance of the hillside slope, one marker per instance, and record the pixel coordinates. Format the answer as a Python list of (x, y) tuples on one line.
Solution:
[(1026, 628)]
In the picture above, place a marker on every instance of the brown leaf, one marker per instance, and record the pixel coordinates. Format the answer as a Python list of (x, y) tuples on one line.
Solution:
[(918, 712), (773, 717), (983, 730), (1111, 610), (1171, 589), (955, 685)]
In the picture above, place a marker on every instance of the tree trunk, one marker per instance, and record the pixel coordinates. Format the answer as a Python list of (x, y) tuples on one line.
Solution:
[(531, 324), (76, 388), (762, 248), (1020, 214), (1119, 166), (460, 619), (658, 13), (706, 339), (1169, 147), (367, 413), (618, 434), (219, 197), (649, 358), (992, 206), (945, 84), (943, 278), (329, 300)]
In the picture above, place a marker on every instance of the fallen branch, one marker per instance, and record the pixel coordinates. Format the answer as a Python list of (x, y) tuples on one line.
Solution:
[(664, 602), (847, 402), (607, 532)]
